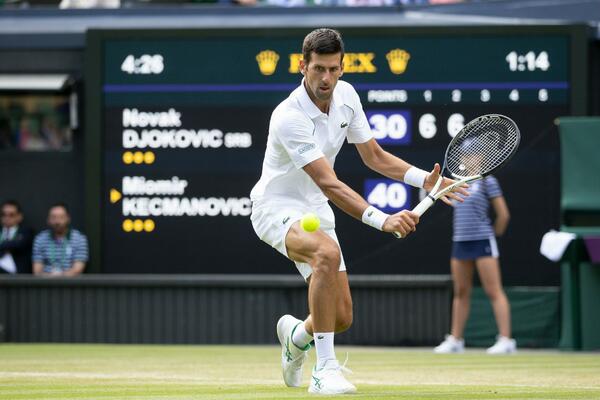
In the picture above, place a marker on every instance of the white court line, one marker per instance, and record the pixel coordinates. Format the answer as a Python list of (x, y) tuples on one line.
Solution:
[(153, 376), (453, 383), (237, 381)]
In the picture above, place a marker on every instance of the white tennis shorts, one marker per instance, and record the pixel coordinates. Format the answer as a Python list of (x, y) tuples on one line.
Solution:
[(272, 220)]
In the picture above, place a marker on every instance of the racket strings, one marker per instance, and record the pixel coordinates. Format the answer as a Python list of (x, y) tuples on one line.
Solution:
[(482, 146)]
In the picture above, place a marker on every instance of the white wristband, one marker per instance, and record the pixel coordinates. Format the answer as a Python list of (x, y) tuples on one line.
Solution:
[(415, 177), (374, 217)]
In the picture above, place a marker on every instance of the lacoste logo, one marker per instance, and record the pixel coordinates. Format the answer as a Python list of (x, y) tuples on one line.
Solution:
[(320, 337), (344, 124), (285, 220)]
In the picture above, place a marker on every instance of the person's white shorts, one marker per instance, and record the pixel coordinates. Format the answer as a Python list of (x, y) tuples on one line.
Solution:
[(272, 220)]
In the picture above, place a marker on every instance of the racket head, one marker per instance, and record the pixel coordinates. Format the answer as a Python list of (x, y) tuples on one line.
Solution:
[(482, 146)]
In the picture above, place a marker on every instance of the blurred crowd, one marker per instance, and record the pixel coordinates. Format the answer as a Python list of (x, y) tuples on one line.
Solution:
[(34, 123), (276, 3), (59, 250)]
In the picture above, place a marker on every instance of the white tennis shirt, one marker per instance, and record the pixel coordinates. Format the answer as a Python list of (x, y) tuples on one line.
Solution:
[(300, 133)]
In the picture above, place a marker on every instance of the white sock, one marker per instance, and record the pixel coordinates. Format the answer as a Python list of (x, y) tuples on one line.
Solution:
[(324, 346), (300, 337)]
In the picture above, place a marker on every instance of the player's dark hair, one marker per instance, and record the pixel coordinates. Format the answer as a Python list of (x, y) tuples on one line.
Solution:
[(12, 203), (322, 41)]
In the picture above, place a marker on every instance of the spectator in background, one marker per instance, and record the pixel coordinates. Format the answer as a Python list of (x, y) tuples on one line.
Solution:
[(60, 250), (30, 137), (475, 247), (15, 240)]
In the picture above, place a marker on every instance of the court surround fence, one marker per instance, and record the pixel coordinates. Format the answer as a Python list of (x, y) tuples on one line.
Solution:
[(213, 309)]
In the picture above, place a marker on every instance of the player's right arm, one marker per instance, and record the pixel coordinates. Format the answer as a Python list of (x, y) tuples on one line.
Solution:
[(294, 132), (351, 202)]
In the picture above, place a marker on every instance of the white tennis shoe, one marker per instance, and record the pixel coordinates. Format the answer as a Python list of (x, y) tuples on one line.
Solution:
[(330, 380), (450, 345), (292, 357), (503, 345)]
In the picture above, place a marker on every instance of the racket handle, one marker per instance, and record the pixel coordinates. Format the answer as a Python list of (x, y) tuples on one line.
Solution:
[(423, 205), (419, 210)]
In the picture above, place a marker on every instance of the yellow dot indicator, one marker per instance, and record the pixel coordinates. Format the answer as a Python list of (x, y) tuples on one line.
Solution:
[(149, 225), (138, 225), (128, 157), (127, 225), (138, 157), (149, 157)]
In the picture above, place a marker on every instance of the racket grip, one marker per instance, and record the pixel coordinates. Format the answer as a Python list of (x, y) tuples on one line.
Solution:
[(419, 210), (423, 205)]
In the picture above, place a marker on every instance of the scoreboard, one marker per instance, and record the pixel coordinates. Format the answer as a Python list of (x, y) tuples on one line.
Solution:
[(178, 120)]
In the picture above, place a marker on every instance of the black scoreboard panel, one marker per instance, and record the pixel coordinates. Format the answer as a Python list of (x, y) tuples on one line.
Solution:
[(182, 120)]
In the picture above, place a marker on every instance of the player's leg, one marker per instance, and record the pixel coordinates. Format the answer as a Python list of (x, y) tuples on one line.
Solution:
[(294, 334), (278, 225), (344, 315), (462, 280), (271, 222), (488, 269), (302, 334), (330, 303), (323, 255)]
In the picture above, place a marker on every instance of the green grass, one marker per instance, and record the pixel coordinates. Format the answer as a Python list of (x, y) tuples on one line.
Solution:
[(110, 372)]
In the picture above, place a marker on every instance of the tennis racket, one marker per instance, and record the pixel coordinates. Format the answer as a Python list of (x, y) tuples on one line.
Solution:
[(481, 147)]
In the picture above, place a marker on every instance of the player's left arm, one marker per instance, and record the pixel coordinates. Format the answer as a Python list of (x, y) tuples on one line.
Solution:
[(502, 215), (385, 163)]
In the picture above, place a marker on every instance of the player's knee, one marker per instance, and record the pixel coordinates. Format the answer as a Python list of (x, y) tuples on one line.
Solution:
[(327, 258)]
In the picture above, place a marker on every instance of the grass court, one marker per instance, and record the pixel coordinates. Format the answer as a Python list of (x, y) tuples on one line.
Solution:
[(110, 372)]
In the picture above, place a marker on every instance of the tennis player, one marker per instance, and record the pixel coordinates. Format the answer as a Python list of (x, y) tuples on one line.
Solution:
[(306, 132)]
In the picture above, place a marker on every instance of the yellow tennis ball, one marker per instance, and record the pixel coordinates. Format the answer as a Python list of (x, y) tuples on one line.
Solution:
[(310, 222)]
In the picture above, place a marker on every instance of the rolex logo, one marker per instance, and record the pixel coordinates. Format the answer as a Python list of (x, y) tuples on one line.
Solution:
[(267, 61), (398, 60)]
